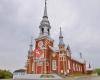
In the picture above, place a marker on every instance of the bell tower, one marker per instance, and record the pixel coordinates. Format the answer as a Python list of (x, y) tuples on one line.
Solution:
[(62, 54), (61, 42), (30, 59), (43, 42), (45, 25)]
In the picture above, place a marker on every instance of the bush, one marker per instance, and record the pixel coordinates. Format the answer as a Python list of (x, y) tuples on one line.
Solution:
[(5, 74), (98, 71)]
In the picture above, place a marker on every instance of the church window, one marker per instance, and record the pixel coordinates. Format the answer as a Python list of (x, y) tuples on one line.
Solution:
[(33, 67), (73, 66), (53, 64), (62, 58), (69, 64), (42, 30), (48, 31), (60, 51), (76, 67)]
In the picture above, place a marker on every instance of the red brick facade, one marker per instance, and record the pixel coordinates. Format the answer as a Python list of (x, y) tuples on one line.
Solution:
[(53, 62)]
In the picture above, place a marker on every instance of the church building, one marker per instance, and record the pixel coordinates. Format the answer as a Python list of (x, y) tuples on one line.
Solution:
[(45, 59)]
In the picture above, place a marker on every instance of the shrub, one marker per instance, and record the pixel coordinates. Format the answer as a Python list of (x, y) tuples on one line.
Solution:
[(98, 71), (5, 74)]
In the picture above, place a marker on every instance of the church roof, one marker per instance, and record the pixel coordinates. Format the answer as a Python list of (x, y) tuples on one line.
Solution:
[(78, 59), (20, 70), (43, 37)]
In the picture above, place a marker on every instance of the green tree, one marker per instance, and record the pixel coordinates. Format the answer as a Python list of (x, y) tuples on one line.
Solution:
[(5, 74), (98, 71)]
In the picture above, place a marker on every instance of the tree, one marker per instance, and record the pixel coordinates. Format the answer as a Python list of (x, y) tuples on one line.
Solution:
[(98, 71), (5, 74)]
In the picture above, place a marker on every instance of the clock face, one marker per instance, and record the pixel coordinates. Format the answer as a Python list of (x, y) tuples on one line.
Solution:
[(40, 44)]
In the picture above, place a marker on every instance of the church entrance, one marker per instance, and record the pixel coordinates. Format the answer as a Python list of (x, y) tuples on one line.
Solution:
[(39, 69)]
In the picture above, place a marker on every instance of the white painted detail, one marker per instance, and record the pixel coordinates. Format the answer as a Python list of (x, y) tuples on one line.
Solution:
[(54, 65), (36, 77)]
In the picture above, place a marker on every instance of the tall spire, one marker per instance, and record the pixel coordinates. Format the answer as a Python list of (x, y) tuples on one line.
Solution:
[(61, 42), (89, 65), (31, 45), (45, 24), (60, 33), (68, 48), (45, 10), (81, 55)]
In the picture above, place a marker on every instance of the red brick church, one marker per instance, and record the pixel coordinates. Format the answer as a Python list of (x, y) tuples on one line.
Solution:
[(45, 59)]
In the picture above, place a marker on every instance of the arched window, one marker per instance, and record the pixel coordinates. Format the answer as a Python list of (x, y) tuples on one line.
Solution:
[(42, 30), (48, 32), (54, 65)]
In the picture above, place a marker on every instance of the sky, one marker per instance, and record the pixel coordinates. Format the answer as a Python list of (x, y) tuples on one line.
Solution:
[(20, 20)]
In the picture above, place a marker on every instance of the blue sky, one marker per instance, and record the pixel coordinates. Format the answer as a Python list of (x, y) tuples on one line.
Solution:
[(20, 19)]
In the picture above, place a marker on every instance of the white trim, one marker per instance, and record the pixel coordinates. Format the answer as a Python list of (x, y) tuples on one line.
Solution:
[(54, 65)]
